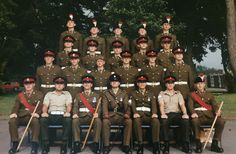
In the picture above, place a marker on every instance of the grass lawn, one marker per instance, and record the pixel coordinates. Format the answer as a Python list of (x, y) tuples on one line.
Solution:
[(229, 107)]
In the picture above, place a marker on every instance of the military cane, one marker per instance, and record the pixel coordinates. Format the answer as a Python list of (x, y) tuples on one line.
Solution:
[(18, 147), (212, 126), (91, 123)]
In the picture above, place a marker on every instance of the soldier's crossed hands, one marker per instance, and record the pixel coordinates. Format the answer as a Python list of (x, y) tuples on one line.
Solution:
[(154, 115), (75, 116), (36, 115), (194, 115), (13, 115), (136, 115), (44, 114)]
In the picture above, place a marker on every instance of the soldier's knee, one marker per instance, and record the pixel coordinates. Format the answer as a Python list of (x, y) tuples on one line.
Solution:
[(137, 120), (43, 120), (67, 120), (128, 122), (220, 122), (165, 122), (97, 121), (155, 121), (195, 122), (35, 121), (75, 122), (12, 121)]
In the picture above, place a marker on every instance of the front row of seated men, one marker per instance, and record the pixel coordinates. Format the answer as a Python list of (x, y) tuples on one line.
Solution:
[(117, 108)]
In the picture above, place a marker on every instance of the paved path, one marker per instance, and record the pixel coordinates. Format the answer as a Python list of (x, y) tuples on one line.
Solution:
[(229, 142)]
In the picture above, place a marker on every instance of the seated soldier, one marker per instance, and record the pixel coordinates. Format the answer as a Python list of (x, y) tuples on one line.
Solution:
[(203, 109), (22, 111), (56, 111), (83, 111), (116, 111), (173, 112), (145, 112)]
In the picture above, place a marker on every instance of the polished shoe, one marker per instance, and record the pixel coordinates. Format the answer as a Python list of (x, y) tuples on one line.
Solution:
[(198, 146), (140, 149), (216, 146), (34, 149), (156, 148), (106, 150), (45, 149), (76, 148), (126, 149), (13, 148), (166, 149), (63, 148), (95, 148), (186, 147)]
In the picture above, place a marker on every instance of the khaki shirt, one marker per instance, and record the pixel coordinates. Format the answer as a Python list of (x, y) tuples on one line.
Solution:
[(78, 40), (158, 40), (171, 101), (57, 102)]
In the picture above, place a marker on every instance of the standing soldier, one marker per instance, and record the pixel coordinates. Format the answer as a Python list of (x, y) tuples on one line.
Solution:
[(165, 57), (142, 32), (73, 74), (116, 111), (154, 73), (182, 72), (94, 36), (89, 61), (127, 72), (46, 73), (77, 46), (203, 109), (166, 26), (100, 75), (56, 111), (117, 37), (22, 111), (62, 57), (173, 112), (140, 58), (83, 112), (115, 61)]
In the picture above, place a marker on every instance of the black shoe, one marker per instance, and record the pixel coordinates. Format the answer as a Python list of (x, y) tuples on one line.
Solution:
[(13, 149), (95, 148), (156, 148), (45, 149), (76, 148), (106, 150), (166, 149), (186, 148), (126, 149), (216, 147), (140, 149), (63, 148), (34, 149), (198, 146)]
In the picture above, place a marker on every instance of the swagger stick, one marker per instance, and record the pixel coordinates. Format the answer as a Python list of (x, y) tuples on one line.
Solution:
[(212, 126), (22, 137), (91, 123)]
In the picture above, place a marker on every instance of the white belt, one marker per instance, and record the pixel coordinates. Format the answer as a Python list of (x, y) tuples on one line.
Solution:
[(200, 109), (112, 52), (74, 85), (127, 85), (100, 88), (153, 83), (164, 69), (75, 50), (57, 113), (84, 109), (47, 85), (143, 109), (181, 82), (63, 67), (96, 52)]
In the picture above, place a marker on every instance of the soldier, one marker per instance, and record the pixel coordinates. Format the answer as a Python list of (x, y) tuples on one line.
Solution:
[(56, 111), (63, 58), (173, 111), (127, 72), (154, 73), (100, 75), (77, 45), (94, 36), (83, 111), (182, 72), (203, 109), (74, 73), (46, 73), (117, 37), (166, 26), (22, 111), (115, 61), (142, 32), (140, 58), (116, 111), (165, 57), (144, 107)]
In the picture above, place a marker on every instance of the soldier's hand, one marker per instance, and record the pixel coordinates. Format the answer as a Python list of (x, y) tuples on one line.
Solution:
[(136, 115), (194, 115), (218, 113), (185, 116), (13, 115), (126, 116), (154, 115), (67, 114), (44, 114), (164, 116), (75, 116), (36, 115), (95, 115)]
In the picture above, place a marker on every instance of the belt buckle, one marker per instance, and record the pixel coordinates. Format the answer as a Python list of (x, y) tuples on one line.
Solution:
[(100, 88), (127, 85), (115, 109), (153, 84)]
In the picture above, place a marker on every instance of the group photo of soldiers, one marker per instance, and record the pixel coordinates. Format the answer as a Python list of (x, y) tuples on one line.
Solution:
[(116, 81)]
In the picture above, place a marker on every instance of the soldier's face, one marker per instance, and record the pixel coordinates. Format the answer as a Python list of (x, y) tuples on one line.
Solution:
[(166, 26), (70, 24), (166, 45), (48, 59), (117, 50), (170, 86), (68, 44), (115, 84), (142, 31), (117, 31), (74, 61), (141, 85), (87, 85), (94, 30), (29, 86), (152, 59), (100, 62), (201, 86), (179, 56), (126, 60), (92, 48), (143, 45), (59, 86)]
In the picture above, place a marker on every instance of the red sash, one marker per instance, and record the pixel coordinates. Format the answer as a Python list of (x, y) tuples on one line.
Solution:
[(199, 101), (24, 101), (86, 103)]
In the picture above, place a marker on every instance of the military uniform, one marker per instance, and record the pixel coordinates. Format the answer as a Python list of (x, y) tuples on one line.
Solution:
[(135, 47), (115, 60), (123, 39), (78, 43), (101, 48), (116, 111), (89, 62), (158, 40), (23, 107), (205, 116)]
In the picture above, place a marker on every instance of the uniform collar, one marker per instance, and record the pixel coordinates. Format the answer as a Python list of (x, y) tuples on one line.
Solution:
[(54, 92), (166, 92)]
